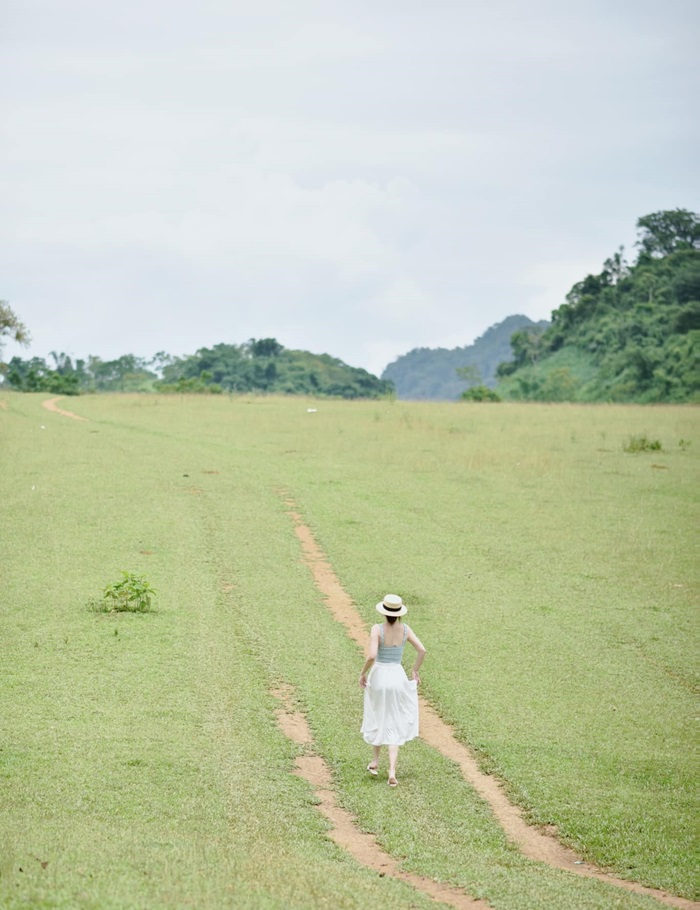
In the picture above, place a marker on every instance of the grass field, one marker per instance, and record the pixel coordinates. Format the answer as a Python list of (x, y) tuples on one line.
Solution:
[(551, 575)]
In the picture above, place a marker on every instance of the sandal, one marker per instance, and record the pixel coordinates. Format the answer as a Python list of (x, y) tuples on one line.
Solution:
[(393, 782), (372, 771)]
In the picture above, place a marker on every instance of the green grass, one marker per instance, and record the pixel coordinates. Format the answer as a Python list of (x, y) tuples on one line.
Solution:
[(549, 573), (554, 578), (642, 444), (144, 767)]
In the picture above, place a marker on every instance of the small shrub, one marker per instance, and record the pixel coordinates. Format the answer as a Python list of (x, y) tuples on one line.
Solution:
[(642, 444), (480, 393), (684, 444), (133, 594)]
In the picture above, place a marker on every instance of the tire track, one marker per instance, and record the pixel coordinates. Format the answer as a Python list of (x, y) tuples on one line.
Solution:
[(50, 405), (344, 831), (532, 842)]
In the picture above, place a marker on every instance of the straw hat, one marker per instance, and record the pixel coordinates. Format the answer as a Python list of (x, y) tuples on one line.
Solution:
[(392, 605)]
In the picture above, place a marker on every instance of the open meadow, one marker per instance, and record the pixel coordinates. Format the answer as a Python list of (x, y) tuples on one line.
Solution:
[(151, 761)]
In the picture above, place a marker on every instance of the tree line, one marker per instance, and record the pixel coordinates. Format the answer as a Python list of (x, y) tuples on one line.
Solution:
[(259, 365), (629, 333)]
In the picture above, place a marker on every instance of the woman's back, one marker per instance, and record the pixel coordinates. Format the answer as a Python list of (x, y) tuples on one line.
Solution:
[(391, 645)]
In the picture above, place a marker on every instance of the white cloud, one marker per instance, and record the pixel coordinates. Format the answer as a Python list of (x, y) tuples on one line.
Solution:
[(343, 177)]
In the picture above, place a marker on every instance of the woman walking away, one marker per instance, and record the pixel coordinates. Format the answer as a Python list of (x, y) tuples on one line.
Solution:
[(390, 716)]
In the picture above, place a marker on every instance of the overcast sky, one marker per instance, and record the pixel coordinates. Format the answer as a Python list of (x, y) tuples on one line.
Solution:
[(354, 177)]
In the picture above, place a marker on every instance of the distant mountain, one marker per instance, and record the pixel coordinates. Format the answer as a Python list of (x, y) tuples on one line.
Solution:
[(431, 373)]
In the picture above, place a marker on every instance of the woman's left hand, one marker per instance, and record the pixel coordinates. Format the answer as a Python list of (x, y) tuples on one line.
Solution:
[(363, 680)]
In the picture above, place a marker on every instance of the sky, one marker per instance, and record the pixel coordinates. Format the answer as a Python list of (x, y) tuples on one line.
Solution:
[(351, 177)]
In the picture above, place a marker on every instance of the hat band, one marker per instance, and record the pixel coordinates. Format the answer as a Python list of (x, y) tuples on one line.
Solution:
[(392, 608)]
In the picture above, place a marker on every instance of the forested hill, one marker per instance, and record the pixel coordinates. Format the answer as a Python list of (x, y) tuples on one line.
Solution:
[(630, 333), (267, 366), (262, 365), (431, 373)]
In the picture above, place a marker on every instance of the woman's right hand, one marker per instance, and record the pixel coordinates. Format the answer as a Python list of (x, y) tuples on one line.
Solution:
[(415, 676)]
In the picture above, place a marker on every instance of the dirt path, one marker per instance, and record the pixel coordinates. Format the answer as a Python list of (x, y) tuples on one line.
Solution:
[(50, 405), (533, 843), (362, 847)]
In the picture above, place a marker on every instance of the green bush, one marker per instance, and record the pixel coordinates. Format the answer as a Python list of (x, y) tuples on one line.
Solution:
[(133, 594), (480, 393), (42, 381)]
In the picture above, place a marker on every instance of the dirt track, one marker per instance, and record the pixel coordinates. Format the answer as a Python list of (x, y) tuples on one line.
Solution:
[(533, 843), (361, 846), (50, 405)]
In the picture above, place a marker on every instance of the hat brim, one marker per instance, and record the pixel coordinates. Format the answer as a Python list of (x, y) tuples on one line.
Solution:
[(380, 608)]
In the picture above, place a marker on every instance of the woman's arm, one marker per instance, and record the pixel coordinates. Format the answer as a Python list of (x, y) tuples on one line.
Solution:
[(417, 644), (372, 649)]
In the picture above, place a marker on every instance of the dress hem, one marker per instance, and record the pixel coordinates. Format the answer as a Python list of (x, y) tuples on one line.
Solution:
[(401, 742)]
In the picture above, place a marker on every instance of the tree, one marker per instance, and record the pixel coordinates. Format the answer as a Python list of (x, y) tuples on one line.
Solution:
[(265, 347), (480, 393), (35, 376), (663, 233), (615, 268), (471, 374), (10, 325), (527, 345), (160, 361), (62, 362), (686, 284)]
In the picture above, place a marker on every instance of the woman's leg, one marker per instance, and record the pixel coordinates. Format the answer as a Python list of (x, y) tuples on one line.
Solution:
[(393, 755), (375, 757)]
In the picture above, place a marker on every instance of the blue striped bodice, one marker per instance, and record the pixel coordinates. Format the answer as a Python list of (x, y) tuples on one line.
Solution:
[(390, 654)]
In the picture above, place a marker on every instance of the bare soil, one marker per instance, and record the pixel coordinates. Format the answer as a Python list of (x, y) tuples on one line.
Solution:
[(50, 405), (534, 843)]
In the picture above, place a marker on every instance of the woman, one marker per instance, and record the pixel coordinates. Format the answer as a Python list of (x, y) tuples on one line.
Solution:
[(390, 716)]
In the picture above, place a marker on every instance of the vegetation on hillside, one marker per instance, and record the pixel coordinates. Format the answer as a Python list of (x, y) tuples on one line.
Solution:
[(629, 333), (265, 365), (258, 366), (431, 373)]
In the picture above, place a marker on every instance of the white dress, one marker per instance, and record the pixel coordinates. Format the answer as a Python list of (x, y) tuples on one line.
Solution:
[(390, 716)]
